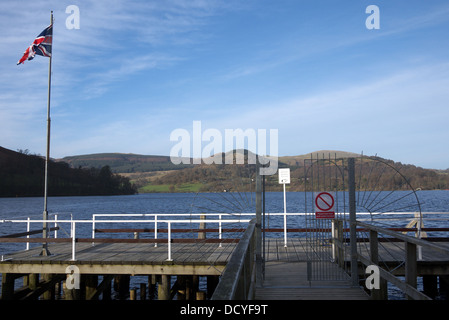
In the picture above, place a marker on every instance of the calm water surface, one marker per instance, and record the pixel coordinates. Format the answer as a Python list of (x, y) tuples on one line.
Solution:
[(84, 207)]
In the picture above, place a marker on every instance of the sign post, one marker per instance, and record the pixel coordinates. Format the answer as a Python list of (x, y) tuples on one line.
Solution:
[(284, 178)]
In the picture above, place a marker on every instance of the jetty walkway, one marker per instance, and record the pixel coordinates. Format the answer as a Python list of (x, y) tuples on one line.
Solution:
[(236, 266)]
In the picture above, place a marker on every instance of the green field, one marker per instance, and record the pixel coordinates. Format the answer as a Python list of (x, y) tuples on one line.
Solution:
[(185, 187)]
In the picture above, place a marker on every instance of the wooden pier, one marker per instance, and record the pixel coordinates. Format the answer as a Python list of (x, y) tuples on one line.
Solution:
[(103, 264), (115, 260)]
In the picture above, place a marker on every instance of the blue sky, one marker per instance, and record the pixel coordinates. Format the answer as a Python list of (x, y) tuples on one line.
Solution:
[(137, 70)]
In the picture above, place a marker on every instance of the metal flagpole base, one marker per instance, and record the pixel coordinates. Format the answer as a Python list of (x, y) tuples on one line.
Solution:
[(45, 252)]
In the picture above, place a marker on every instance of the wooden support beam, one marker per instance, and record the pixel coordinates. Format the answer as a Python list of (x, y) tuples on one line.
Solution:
[(93, 291), (178, 288), (43, 286), (91, 283)]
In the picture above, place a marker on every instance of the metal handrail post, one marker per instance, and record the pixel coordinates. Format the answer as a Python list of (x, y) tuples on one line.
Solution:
[(93, 226), (28, 236), (219, 229), (56, 225), (352, 221), (169, 242), (73, 232), (155, 230)]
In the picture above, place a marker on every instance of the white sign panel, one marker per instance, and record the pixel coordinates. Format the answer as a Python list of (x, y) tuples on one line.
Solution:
[(284, 175)]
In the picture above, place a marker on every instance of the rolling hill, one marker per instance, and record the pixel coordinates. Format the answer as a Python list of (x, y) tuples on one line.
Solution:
[(119, 173), (122, 162), (138, 163), (151, 173), (298, 160)]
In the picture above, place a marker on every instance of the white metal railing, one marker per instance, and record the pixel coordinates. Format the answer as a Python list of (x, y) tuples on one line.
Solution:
[(221, 218), (169, 223), (157, 215), (384, 216)]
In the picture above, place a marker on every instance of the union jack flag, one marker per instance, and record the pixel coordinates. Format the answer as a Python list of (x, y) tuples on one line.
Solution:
[(41, 45)]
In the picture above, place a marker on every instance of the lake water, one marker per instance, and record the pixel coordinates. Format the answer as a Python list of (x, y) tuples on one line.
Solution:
[(80, 208), (188, 203)]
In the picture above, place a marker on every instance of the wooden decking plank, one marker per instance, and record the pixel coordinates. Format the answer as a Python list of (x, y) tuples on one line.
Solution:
[(312, 294), (288, 281), (221, 254), (195, 252)]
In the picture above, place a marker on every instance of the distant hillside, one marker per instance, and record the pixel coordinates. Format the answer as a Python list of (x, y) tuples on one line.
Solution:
[(22, 174), (151, 173), (298, 160), (123, 162), (135, 163), (217, 178)]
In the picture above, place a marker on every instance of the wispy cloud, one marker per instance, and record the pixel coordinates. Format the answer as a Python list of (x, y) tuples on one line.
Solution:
[(135, 70), (117, 40), (399, 115)]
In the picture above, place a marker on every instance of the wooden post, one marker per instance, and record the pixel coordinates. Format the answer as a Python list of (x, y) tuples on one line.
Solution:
[(202, 235), (58, 287), (200, 295), (49, 294), (70, 294), (195, 286), (132, 294), (164, 288), (7, 286), (33, 281), (143, 291), (180, 287), (151, 286), (189, 288), (338, 234), (410, 265), (121, 285), (382, 292)]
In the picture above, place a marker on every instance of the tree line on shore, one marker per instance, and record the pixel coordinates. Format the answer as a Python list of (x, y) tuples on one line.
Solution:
[(23, 174), (372, 174)]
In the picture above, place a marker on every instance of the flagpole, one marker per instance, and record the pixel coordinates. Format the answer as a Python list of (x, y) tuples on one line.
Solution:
[(45, 251)]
